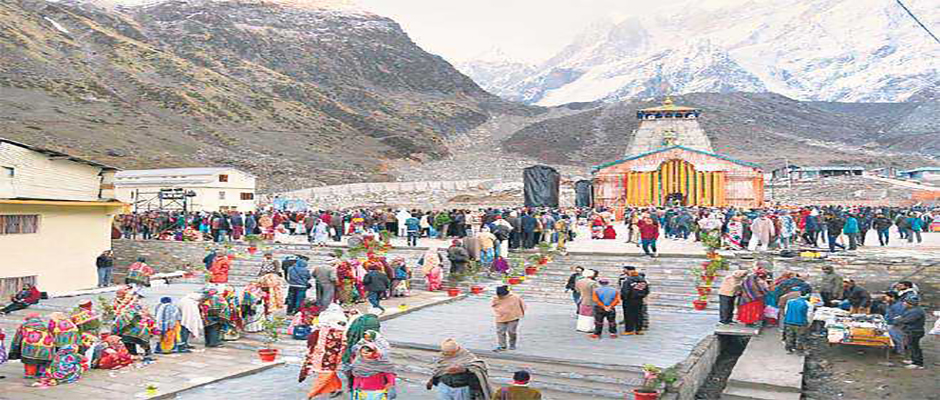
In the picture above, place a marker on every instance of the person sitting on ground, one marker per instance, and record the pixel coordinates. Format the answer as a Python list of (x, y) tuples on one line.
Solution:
[(520, 389), (460, 375), (26, 297)]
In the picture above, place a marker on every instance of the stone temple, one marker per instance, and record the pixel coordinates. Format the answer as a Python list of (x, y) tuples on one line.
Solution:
[(668, 125), (670, 161)]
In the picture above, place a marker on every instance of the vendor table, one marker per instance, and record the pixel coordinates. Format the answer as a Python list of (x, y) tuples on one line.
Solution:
[(870, 330)]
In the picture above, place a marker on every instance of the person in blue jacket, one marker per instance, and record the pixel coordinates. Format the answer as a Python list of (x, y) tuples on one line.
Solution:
[(796, 323)]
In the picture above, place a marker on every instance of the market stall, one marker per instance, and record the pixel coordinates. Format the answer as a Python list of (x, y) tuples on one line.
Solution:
[(870, 330)]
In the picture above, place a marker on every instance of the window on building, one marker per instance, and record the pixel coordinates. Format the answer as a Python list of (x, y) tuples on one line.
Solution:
[(14, 224), (10, 286), (7, 172), (223, 178), (248, 196), (221, 195)]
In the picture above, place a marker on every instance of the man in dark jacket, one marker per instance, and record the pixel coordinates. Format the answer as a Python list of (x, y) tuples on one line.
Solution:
[(570, 286), (529, 227), (515, 236), (834, 226), (882, 225), (912, 323), (632, 292), (298, 281), (336, 222), (458, 257), (105, 264), (858, 297), (376, 283)]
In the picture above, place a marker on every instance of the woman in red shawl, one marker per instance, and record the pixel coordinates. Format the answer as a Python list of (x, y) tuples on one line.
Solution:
[(114, 355), (220, 267), (26, 297), (751, 302)]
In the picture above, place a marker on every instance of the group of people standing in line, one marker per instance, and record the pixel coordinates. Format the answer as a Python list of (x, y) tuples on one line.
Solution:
[(596, 302)]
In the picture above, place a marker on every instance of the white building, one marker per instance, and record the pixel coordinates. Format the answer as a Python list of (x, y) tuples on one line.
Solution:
[(55, 218), (925, 174), (208, 189)]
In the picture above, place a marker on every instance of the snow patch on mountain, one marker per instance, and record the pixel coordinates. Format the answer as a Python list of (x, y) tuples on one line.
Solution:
[(828, 50)]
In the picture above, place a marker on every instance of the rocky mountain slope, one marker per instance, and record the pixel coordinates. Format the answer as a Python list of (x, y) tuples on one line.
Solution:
[(823, 50), (299, 94), (766, 129)]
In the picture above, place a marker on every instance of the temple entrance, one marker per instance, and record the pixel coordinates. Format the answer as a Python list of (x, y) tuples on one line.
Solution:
[(675, 199), (674, 182)]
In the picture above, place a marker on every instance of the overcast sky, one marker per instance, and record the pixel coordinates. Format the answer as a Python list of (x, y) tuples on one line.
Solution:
[(530, 30)]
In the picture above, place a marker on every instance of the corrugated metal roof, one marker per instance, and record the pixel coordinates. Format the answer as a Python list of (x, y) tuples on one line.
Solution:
[(53, 153), (622, 160), (921, 169), (135, 173)]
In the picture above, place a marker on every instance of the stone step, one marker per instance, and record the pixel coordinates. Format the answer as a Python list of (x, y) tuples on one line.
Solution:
[(753, 375)]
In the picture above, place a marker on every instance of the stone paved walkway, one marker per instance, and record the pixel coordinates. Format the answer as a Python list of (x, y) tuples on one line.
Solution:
[(170, 373), (548, 331)]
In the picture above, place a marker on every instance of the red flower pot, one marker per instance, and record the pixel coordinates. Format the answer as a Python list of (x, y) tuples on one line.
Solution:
[(514, 281), (252, 250), (453, 292), (267, 355), (476, 289), (531, 270), (644, 395), (704, 290), (543, 261), (699, 305)]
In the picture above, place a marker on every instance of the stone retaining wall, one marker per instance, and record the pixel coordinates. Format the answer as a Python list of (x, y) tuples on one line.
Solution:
[(695, 369)]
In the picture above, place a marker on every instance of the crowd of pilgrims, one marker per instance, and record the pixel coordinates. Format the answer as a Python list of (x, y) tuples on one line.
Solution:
[(753, 229)]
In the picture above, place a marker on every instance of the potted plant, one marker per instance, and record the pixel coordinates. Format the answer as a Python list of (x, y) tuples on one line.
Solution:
[(272, 333), (151, 389), (701, 302), (653, 379), (253, 241)]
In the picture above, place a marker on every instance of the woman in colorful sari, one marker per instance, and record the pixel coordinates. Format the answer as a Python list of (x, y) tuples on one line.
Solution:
[(65, 332), (88, 323), (34, 346), (114, 354), (356, 331), (67, 367), (325, 348), (373, 374), (273, 286), (232, 322), (751, 301), (597, 227), (168, 317), (735, 233), (253, 308), (132, 322), (346, 283), (214, 311), (431, 266)]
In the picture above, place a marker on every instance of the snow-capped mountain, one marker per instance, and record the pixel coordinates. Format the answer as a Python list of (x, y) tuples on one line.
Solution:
[(831, 50), (496, 72)]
